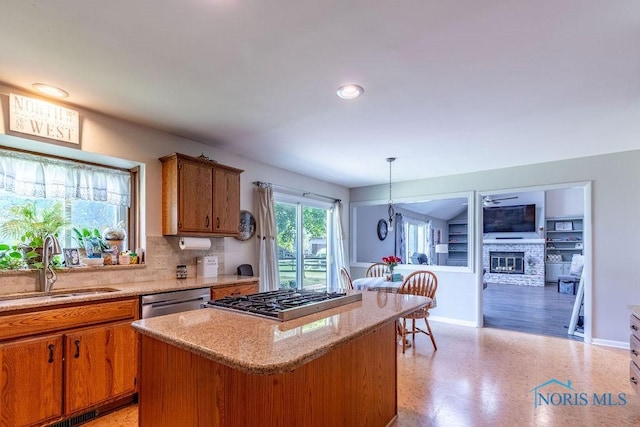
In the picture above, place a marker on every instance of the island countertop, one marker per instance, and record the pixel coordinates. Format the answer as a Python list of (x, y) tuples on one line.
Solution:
[(259, 345)]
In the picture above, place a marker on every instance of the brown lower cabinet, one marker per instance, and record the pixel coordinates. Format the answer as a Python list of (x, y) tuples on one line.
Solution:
[(99, 365), (244, 289), (31, 380), (71, 368), (353, 384)]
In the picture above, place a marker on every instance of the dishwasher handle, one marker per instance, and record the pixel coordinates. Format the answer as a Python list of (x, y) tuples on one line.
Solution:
[(176, 301)]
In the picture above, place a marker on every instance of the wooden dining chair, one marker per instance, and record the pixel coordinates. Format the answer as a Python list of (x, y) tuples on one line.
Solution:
[(376, 270), (424, 283), (346, 278)]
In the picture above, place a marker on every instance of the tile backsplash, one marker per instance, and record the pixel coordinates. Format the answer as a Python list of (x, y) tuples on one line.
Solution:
[(162, 255)]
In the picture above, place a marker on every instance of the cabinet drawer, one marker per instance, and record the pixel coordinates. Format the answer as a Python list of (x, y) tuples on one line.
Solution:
[(634, 324), (634, 349), (217, 293), (56, 319), (634, 376)]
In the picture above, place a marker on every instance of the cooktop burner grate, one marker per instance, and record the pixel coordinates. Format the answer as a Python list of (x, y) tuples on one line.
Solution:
[(285, 304)]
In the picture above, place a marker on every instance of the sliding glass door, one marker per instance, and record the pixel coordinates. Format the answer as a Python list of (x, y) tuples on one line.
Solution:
[(303, 236)]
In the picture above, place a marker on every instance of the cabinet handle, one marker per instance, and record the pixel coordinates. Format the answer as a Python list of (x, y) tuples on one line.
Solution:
[(206, 224), (218, 222), (51, 347), (77, 343), (633, 380), (634, 352)]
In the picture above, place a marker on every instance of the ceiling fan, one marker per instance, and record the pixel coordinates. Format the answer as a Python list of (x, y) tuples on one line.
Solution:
[(491, 201)]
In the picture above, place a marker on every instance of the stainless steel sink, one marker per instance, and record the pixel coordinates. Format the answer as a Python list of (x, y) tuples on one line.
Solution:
[(62, 293)]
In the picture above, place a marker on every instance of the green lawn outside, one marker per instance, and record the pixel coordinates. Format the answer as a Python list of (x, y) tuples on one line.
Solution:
[(313, 279)]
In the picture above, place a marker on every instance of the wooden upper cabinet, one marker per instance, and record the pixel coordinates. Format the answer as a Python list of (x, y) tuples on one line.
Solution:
[(195, 206), (226, 201), (199, 197)]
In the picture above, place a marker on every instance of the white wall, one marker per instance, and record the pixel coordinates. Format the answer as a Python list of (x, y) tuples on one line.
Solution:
[(616, 231), (369, 247), (105, 136), (564, 202)]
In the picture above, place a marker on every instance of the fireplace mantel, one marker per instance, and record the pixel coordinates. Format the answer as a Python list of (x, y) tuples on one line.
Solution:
[(514, 241)]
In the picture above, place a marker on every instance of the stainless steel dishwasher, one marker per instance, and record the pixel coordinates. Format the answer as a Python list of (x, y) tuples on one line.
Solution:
[(173, 302)]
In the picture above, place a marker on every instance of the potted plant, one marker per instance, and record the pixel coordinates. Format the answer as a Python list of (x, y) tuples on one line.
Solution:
[(11, 258), (29, 225), (90, 241), (115, 236)]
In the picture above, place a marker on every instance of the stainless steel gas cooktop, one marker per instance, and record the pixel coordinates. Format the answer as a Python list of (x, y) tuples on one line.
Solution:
[(284, 304)]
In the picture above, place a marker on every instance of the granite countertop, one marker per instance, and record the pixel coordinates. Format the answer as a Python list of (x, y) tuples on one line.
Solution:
[(264, 346), (31, 300)]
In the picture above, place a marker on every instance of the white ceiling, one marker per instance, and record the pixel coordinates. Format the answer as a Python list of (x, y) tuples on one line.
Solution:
[(450, 86)]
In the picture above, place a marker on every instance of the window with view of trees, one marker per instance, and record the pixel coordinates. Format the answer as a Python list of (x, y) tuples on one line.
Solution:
[(302, 243), (34, 188)]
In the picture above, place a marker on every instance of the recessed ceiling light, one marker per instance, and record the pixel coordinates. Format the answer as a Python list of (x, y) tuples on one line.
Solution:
[(350, 91), (49, 90)]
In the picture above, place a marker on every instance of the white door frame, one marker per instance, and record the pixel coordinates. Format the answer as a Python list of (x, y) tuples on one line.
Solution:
[(587, 251)]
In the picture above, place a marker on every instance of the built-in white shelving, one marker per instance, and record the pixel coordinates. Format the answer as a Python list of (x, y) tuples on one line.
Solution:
[(564, 238)]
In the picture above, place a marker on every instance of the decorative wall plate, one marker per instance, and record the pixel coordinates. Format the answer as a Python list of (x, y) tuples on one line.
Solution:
[(383, 229), (247, 227)]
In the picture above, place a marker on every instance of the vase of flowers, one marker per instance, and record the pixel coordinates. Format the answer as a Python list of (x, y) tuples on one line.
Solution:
[(391, 261)]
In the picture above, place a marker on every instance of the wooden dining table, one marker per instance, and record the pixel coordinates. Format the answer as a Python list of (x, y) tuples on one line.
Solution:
[(376, 284), (381, 285)]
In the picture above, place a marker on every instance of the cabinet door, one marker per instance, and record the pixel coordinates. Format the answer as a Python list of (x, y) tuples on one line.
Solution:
[(553, 270), (226, 201), (101, 364), (195, 189), (31, 381)]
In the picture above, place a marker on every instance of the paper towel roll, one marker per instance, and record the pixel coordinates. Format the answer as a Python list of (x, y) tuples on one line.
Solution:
[(195, 243)]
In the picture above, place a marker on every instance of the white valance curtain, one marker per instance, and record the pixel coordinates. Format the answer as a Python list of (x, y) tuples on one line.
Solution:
[(36, 176)]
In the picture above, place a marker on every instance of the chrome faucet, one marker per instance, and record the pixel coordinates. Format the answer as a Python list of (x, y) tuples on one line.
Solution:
[(47, 275)]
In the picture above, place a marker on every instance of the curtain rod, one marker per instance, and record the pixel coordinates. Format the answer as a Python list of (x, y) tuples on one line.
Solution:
[(304, 193)]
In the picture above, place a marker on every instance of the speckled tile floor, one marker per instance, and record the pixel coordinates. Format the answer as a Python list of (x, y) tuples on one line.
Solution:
[(485, 377)]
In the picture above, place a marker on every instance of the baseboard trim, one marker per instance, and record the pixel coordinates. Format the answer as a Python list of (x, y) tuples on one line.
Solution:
[(608, 343), (452, 321)]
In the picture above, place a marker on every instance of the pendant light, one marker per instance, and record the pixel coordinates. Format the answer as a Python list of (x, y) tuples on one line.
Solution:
[(391, 210)]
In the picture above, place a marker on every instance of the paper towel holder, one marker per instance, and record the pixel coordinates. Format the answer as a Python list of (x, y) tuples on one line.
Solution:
[(194, 243)]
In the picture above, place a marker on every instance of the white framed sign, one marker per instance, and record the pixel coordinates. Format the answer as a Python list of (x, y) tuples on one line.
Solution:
[(43, 119), (564, 226)]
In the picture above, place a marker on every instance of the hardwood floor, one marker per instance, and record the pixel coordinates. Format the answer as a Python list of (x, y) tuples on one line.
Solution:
[(487, 377), (531, 309)]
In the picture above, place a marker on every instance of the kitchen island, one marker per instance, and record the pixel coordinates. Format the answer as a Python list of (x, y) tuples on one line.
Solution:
[(219, 368)]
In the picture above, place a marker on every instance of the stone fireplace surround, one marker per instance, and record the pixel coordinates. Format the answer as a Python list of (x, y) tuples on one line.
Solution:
[(533, 261)]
